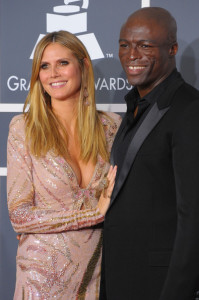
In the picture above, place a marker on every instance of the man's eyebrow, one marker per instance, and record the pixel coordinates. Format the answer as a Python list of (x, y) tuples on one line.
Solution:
[(122, 40), (140, 41)]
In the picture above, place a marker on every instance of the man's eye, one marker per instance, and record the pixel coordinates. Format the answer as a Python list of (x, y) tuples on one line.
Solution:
[(123, 45), (145, 46)]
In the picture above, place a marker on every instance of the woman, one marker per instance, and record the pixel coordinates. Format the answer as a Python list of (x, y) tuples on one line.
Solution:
[(58, 154)]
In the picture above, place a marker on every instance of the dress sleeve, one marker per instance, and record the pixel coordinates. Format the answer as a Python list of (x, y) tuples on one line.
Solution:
[(25, 216)]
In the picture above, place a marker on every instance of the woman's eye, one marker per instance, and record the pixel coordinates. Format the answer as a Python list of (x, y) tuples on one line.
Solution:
[(64, 63), (43, 66)]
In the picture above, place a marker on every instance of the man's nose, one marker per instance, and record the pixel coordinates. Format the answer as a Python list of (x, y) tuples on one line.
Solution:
[(134, 53)]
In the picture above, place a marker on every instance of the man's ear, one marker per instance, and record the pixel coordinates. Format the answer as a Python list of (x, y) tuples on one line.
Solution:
[(174, 49)]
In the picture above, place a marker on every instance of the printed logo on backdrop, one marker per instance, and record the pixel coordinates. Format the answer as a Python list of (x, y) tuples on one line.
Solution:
[(72, 18)]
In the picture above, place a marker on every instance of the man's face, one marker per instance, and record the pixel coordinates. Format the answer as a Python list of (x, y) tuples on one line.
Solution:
[(145, 53)]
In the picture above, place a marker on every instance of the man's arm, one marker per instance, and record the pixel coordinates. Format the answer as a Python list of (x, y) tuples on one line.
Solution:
[(182, 280)]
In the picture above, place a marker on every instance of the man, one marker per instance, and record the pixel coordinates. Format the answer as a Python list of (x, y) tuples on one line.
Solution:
[(151, 229)]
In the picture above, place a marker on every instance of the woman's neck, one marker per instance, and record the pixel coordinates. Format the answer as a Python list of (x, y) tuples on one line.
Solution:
[(66, 111)]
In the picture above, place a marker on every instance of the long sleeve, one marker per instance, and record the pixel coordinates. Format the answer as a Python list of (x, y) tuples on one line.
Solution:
[(25, 215), (183, 274)]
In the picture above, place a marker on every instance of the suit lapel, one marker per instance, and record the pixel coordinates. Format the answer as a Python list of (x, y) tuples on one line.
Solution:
[(150, 121), (154, 115)]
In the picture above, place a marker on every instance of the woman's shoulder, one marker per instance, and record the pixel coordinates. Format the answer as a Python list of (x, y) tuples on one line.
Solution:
[(17, 123), (110, 118), (111, 122)]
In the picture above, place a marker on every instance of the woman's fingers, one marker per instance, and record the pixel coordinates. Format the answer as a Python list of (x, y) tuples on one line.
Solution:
[(104, 200), (18, 237), (111, 180)]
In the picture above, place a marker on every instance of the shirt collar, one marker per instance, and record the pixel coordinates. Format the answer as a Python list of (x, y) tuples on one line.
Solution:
[(133, 96)]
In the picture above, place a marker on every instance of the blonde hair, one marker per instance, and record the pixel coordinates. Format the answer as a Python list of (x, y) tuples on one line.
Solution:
[(43, 126)]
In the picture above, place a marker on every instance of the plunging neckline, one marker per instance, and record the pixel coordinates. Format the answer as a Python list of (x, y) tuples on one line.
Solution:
[(76, 179), (67, 166)]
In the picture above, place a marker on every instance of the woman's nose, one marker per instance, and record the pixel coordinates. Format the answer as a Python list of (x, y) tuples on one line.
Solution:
[(54, 71)]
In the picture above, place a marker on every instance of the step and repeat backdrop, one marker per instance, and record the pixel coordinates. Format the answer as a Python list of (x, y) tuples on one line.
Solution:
[(97, 23)]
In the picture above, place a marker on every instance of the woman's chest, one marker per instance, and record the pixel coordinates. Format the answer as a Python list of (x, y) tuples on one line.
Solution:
[(57, 183)]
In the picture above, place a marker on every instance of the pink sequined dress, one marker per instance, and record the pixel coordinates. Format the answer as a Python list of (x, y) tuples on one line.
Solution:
[(59, 253)]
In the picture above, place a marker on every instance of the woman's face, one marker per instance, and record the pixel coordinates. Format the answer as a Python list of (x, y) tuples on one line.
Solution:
[(60, 73)]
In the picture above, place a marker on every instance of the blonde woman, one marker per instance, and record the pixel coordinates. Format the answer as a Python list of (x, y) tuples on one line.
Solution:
[(59, 180)]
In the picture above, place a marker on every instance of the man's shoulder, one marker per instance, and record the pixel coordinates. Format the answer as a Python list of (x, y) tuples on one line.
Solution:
[(187, 93), (184, 104), (190, 88)]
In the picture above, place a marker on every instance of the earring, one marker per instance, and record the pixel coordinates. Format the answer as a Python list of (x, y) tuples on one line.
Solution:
[(85, 99)]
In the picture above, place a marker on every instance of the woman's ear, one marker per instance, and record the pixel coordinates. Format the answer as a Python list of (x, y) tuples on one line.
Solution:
[(86, 62)]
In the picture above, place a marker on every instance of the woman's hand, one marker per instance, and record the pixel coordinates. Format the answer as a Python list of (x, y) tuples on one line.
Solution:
[(104, 200)]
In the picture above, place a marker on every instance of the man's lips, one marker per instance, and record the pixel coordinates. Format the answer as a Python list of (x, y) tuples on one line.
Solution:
[(135, 70), (136, 67)]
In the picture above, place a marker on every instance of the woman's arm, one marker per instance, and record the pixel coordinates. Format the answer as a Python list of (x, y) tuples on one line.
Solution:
[(24, 215)]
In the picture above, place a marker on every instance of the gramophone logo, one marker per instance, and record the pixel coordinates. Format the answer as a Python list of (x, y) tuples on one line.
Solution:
[(73, 18)]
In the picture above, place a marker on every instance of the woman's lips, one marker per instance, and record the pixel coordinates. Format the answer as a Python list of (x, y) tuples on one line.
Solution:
[(58, 84)]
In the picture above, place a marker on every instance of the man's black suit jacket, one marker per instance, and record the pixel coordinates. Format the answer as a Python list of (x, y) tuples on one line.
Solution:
[(151, 230)]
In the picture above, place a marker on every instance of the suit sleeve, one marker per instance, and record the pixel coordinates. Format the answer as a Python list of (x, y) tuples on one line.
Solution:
[(25, 216), (182, 280)]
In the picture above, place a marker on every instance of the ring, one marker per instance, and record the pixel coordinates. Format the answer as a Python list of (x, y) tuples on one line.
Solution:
[(106, 182)]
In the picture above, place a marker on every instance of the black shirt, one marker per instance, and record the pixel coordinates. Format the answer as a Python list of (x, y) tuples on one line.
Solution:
[(132, 123)]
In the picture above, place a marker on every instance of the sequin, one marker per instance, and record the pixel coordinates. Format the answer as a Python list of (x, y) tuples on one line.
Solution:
[(59, 253)]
